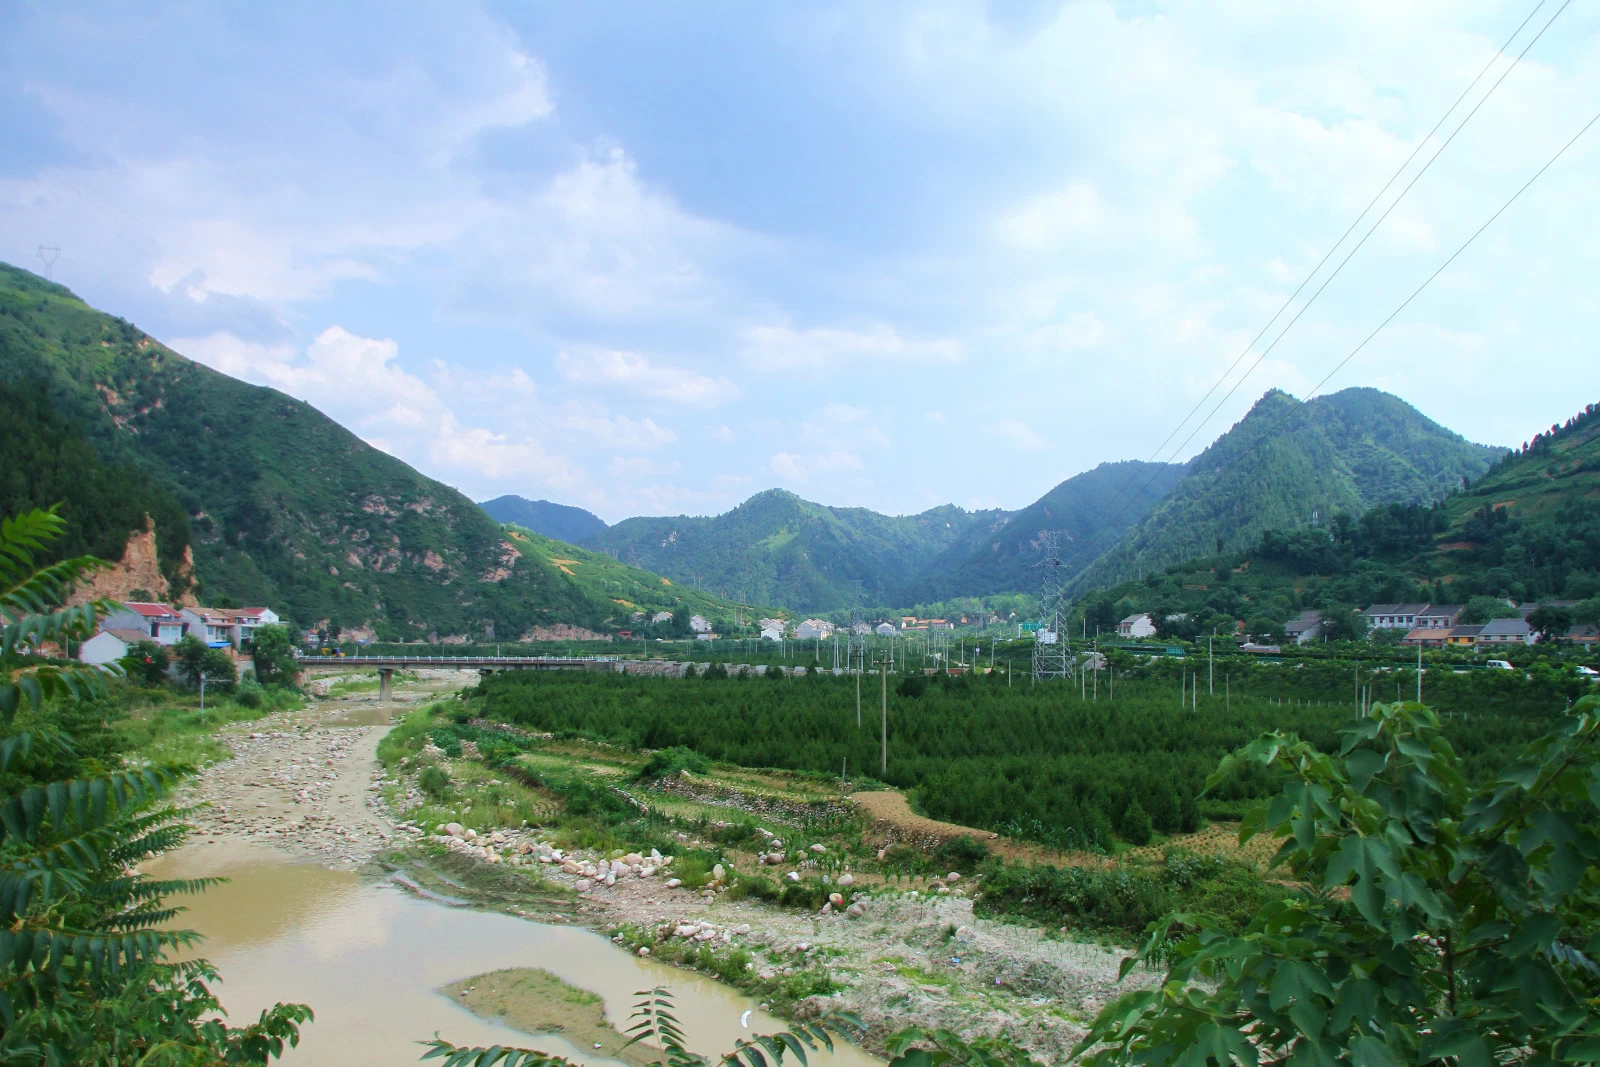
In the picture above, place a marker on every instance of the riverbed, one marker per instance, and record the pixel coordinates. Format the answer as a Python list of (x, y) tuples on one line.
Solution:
[(369, 956)]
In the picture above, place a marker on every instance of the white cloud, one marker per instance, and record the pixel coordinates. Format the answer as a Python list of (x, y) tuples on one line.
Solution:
[(1020, 434), (643, 376), (778, 347), (836, 424), (498, 457), (604, 430), (800, 469), (723, 434)]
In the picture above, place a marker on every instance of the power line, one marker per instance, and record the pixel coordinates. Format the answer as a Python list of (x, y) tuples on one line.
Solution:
[(1091, 540), (1425, 283), (1353, 224)]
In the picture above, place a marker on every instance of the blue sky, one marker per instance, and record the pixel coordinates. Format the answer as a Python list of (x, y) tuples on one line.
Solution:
[(653, 258)]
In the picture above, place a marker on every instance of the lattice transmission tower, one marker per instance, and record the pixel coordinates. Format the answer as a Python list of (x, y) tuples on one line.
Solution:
[(856, 651), (1050, 658)]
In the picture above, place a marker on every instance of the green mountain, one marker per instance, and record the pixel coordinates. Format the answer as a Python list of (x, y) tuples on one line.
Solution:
[(560, 521), (1088, 512), (776, 548), (1280, 467), (279, 504), (1527, 530)]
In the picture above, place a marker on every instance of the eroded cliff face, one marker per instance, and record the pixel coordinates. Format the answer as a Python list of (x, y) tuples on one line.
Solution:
[(140, 569)]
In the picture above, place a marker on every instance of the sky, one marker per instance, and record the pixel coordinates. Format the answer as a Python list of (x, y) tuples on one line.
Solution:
[(651, 258)]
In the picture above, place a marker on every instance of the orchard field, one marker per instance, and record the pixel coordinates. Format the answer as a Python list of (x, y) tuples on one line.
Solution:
[(1044, 762)]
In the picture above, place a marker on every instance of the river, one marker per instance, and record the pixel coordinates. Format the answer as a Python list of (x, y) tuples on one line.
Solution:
[(369, 957)]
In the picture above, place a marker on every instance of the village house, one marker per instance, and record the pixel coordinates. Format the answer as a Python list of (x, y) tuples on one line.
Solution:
[(771, 633), (1438, 616), (1506, 632), (885, 629), (813, 628), (773, 624), (157, 622), (1304, 627), (214, 626), (1394, 616), (1583, 635), (661, 617), (108, 646), (699, 624), (1463, 636), (1427, 637), (1140, 625), (941, 624)]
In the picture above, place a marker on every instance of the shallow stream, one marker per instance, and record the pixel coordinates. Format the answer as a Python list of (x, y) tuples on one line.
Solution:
[(368, 956)]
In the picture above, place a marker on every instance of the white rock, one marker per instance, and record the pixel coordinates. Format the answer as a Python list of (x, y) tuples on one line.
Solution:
[(687, 930), (644, 950), (646, 872), (470, 834), (836, 899), (793, 876), (718, 874), (584, 884), (673, 883), (742, 928), (819, 848), (847, 879), (633, 859), (953, 877), (855, 910), (827, 908), (705, 935)]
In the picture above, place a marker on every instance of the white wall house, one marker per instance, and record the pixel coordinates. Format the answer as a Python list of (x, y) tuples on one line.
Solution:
[(1140, 625), (108, 646), (885, 629), (772, 633), (212, 625), (699, 624), (812, 628), (1304, 628)]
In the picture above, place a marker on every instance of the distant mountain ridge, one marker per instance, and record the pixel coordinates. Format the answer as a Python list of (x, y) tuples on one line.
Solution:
[(278, 504), (1092, 508), (777, 548), (1283, 463), (560, 521)]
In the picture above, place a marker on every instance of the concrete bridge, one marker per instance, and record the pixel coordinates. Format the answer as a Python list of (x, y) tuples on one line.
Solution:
[(387, 665)]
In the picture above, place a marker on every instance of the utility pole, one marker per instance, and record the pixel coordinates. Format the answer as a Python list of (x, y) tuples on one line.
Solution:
[(885, 674), (858, 699), (1211, 671), (1419, 672)]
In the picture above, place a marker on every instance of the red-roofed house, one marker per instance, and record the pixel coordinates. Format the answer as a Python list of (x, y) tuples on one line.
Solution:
[(161, 623)]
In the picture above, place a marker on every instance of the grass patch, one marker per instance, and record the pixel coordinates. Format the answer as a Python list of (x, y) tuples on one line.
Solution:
[(537, 1002), (164, 727)]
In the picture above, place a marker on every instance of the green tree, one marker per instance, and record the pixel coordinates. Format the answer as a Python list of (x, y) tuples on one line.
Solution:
[(273, 654), (83, 935), (1480, 609), (1343, 622), (1439, 924), (195, 661), (1550, 622), (146, 663)]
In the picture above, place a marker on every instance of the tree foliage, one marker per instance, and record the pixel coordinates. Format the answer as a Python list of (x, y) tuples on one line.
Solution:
[(84, 936), (1438, 923)]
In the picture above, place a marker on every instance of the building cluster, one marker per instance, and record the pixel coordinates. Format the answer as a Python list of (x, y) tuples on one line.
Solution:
[(1427, 625), (163, 624)]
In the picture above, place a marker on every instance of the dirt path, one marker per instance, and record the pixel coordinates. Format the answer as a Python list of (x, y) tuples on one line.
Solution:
[(306, 780), (896, 821)]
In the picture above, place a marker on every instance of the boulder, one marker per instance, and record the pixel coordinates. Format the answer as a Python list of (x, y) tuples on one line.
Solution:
[(454, 829), (836, 899), (633, 859), (718, 874), (855, 910), (793, 876), (584, 885), (847, 879), (819, 848), (644, 950), (953, 877), (673, 883)]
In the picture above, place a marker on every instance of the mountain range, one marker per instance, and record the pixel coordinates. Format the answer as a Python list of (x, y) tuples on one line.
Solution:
[(252, 496), (1280, 465), (257, 498)]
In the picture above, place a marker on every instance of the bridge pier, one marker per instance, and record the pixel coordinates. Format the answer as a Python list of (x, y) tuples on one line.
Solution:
[(385, 683)]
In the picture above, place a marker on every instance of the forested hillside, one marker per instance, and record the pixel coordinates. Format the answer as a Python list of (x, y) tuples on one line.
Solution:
[(560, 521), (1088, 511), (1284, 463), (282, 505), (779, 549), (1528, 530)]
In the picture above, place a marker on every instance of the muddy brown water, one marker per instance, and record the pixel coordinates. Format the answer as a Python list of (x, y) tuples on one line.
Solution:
[(368, 957)]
